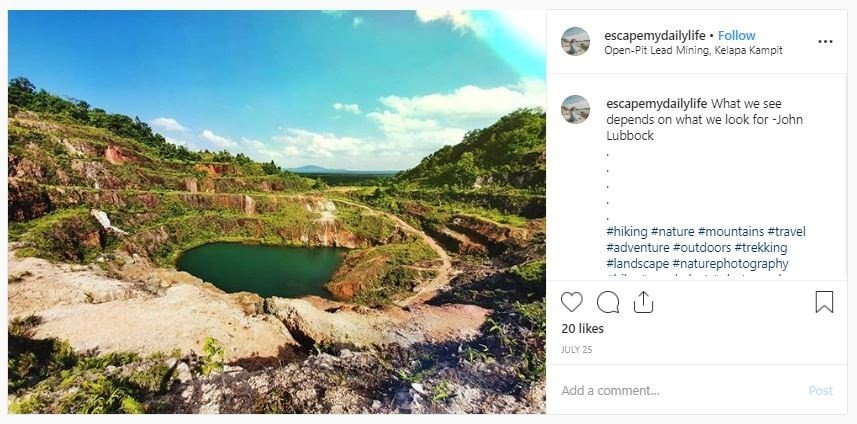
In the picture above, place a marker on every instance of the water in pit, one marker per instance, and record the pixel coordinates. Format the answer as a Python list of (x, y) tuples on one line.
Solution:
[(265, 270)]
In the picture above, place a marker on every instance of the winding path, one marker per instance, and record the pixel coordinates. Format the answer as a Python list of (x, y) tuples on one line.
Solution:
[(444, 273)]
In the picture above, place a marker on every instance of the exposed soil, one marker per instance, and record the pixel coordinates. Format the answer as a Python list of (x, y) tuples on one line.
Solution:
[(444, 272), (173, 310)]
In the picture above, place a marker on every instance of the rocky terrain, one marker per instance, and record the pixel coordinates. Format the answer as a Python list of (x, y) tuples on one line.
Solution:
[(439, 305), (155, 312)]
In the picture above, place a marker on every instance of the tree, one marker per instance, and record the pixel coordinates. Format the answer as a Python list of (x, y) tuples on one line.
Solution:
[(242, 159), (21, 91), (222, 156), (466, 170), (80, 112), (510, 152), (319, 184), (270, 168)]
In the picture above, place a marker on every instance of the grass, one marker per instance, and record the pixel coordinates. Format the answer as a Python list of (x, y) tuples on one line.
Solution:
[(413, 367), (479, 353), (486, 213), (285, 228), (531, 272), (440, 392), (531, 348), (48, 376), (358, 221), (70, 235), (514, 335), (385, 273)]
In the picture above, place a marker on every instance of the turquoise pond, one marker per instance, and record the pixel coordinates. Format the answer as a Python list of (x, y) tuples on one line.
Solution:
[(265, 270)]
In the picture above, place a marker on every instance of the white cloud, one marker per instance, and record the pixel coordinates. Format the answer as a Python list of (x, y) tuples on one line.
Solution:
[(408, 128), (168, 124), (252, 144), (390, 121), (257, 149), (460, 20), (347, 107), (309, 144), (462, 104), (357, 21), (218, 141), (393, 151), (425, 142)]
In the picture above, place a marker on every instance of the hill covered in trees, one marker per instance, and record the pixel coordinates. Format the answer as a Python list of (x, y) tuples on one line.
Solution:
[(509, 153), (23, 96)]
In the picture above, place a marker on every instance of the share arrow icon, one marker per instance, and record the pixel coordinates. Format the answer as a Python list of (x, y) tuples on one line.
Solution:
[(644, 305)]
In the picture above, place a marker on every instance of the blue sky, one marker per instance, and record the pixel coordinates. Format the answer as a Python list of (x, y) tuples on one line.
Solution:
[(356, 90)]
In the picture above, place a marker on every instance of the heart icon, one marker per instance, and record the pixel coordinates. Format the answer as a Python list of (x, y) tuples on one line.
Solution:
[(571, 300)]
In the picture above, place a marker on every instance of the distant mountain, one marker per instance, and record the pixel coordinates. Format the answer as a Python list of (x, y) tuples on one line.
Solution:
[(315, 169)]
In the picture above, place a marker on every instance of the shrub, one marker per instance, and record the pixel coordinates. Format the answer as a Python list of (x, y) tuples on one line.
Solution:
[(212, 356)]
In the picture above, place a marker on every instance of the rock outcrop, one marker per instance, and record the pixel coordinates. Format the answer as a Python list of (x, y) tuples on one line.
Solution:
[(491, 234), (102, 219), (191, 184), (114, 155), (457, 242), (27, 200), (152, 310), (248, 205), (315, 321)]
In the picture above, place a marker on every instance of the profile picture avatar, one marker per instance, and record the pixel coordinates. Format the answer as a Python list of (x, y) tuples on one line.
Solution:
[(575, 41), (575, 109)]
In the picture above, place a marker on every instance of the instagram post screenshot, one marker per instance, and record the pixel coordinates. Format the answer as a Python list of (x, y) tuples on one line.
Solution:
[(607, 212)]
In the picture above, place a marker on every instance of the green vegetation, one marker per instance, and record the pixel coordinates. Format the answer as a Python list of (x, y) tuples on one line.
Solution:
[(47, 376), (359, 221), (531, 272), (64, 131), (507, 206), (497, 173), (70, 235), (509, 153), (23, 95), (384, 273), (352, 179), (200, 227), (472, 353), (212, 356), (406, 253), (70, 154), (440, 392), (531, 347)]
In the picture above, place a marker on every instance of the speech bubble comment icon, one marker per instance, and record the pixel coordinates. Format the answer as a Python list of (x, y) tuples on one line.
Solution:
[(608, 302), (571, 300)]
